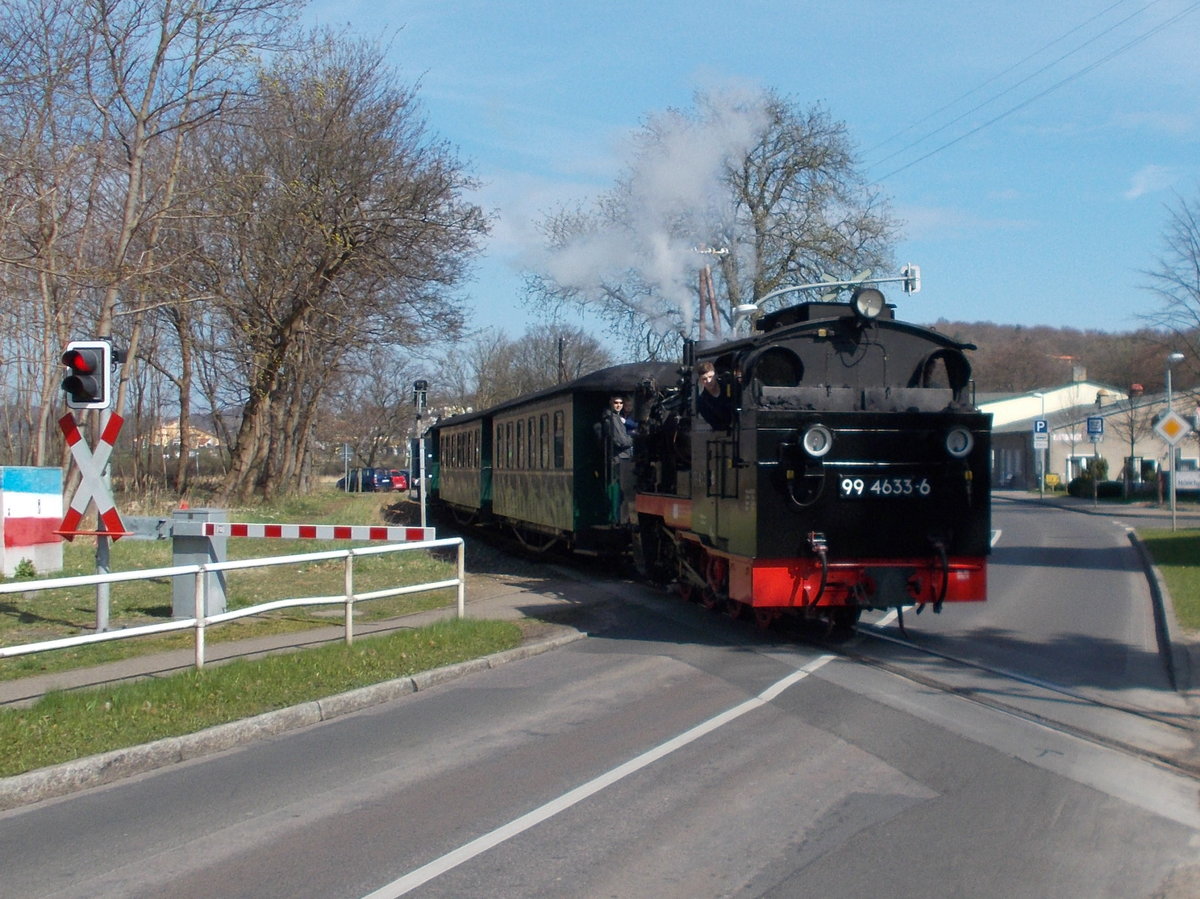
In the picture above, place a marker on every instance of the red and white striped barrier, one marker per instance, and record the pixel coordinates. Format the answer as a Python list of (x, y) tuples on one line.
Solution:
[(302, 531)]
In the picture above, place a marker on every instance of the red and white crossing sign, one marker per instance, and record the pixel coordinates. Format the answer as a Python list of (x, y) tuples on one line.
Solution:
[(92, 485)]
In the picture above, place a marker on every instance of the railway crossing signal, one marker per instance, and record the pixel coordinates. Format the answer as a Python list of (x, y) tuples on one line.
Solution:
[(88, 384), (93, 485)]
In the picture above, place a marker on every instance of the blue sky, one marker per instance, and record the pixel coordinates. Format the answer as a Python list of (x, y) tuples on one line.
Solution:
[(1032, 149)]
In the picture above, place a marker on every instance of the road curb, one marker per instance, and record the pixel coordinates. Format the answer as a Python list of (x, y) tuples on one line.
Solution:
[(1174, 651), (1180, 653), (117, 764)]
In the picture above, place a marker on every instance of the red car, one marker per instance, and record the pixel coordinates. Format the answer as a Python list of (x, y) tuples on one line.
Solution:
[(399, 479)]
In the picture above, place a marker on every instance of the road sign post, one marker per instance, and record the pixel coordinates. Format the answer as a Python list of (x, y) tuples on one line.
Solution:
[(1095, 429), (1172, 428), (1041, 442)]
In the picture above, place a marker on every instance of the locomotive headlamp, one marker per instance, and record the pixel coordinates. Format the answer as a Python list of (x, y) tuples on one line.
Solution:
[(868, 302), (959, 442), (817, 441)]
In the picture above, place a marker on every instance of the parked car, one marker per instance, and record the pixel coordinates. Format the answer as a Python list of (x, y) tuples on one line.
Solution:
[(399, 479), (366, 480)]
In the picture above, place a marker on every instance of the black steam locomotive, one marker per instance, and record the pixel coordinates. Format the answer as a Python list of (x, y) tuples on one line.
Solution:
[(836, 462)]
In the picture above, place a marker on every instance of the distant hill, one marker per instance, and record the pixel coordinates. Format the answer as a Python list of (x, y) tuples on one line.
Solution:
[(1015, 359)]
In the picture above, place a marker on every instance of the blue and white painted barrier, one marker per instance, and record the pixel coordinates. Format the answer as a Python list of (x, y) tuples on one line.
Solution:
[(31, 508)]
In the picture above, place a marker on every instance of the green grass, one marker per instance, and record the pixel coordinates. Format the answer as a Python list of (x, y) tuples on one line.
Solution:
[(1176, 554), (65, 726), (45, 615)]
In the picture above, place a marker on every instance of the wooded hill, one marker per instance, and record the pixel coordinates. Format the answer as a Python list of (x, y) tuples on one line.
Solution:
[(1016, 359)]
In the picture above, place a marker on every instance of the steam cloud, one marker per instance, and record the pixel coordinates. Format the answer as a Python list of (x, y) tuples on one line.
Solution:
[(673, 200)]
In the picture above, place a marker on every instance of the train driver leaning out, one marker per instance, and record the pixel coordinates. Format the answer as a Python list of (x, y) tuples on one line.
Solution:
[(712, 401)]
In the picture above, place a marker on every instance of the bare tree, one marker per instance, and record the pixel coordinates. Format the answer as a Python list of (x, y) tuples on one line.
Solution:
[(97, 101), (50, 176), (1175, 279), (760, 192), (342, 230), (490, 368)]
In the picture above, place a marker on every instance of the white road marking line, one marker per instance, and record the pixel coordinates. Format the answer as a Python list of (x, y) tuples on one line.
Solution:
[(482, 844)]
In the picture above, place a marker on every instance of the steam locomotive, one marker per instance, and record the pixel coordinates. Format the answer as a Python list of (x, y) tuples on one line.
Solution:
[(839, 464)]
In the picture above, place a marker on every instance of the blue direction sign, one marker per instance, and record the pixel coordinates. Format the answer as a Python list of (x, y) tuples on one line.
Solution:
[(1095, 427)]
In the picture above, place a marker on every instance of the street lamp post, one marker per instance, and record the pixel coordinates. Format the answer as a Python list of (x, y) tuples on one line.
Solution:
[(1172, 358), (420, 391), (1041, 453)]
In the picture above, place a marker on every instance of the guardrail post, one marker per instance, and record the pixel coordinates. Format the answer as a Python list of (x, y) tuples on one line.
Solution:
[(349, 599), (198, 585), (188, 549), (462, 580)]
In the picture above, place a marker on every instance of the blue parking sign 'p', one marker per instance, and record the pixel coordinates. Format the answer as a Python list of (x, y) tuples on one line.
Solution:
[(1041, 426)]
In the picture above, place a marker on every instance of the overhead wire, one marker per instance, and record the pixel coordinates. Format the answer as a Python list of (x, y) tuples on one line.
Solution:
[(1016, 65), (1026, 102)]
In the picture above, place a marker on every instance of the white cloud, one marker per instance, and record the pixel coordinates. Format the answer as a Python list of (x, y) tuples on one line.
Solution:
[(1150, 179)]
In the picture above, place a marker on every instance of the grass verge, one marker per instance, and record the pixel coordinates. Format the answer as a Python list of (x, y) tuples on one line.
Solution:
[(1176, 554), (65, 726)]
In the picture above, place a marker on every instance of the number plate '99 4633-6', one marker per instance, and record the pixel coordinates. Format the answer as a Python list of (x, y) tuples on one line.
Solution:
[(871, 488)]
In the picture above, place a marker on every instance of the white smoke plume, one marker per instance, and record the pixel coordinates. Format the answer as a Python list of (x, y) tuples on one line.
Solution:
[(641, 240)]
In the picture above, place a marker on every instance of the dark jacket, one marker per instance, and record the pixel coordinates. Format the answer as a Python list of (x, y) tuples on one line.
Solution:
[(617, 442)]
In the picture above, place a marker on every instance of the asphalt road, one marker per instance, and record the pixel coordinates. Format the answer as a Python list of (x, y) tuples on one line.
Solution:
[(675, 753)]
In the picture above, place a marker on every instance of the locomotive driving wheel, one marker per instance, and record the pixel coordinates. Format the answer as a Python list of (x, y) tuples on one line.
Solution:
[(716, 590), (765, 618), (844, 619)]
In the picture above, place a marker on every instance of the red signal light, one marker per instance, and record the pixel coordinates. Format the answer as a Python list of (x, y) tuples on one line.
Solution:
[(87, 382)]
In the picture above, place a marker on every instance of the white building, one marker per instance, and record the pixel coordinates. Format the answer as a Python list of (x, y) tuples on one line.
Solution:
[(1126, 427)]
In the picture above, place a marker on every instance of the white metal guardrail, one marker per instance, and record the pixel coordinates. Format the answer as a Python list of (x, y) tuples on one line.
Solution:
[(199, 622)]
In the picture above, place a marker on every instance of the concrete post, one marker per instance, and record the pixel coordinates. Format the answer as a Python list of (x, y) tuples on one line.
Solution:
[(198, 551)]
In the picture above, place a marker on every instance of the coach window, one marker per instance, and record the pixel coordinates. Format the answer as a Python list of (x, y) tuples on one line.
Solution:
[(543, 446), (560, 446)]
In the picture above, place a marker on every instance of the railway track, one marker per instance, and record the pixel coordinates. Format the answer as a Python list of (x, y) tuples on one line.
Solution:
[(1167, 739)]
